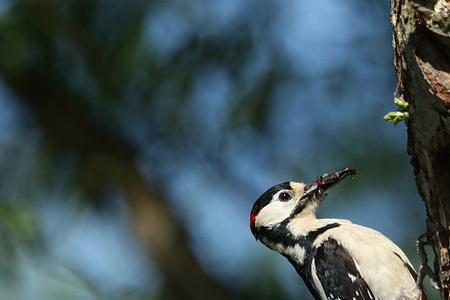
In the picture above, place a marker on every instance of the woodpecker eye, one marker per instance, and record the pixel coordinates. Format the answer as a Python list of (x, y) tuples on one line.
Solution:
[(284, 196)]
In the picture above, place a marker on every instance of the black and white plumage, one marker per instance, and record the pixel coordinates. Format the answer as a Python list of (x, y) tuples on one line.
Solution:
[(336, 258)]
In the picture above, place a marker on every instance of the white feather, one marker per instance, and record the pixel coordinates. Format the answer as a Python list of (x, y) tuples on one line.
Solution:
[(316, 281)]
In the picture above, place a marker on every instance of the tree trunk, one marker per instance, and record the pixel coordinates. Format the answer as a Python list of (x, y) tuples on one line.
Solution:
[(421, 41)]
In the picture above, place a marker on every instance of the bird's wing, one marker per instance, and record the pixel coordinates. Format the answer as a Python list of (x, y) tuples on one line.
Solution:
[(338, 273)]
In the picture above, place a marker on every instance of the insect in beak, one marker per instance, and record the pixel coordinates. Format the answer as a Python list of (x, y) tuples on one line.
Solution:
[(325, 182)]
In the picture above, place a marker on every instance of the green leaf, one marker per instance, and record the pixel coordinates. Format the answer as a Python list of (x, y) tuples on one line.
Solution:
[(402, 104), (396, 116)]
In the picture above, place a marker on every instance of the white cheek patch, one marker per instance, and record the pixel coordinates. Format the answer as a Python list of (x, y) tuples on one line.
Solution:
[(274, 213)]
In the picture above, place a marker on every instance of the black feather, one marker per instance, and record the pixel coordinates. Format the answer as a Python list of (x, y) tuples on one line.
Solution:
[(338, 273), (281, 235)]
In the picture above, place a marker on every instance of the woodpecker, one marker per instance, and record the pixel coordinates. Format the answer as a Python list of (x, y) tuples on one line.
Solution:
[(335, 258)]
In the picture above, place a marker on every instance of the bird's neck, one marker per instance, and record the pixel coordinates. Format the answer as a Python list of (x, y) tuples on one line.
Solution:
[(303, 225), (298, 233), (295, 238), (302, 233)]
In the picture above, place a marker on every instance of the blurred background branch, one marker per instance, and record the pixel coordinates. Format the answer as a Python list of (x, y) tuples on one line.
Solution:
[(107, 160)]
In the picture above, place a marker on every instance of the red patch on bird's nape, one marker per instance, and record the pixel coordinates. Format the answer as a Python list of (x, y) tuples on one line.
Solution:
[(252, 222)]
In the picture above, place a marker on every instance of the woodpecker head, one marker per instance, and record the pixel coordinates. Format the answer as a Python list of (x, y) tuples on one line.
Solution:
[(289, 200)]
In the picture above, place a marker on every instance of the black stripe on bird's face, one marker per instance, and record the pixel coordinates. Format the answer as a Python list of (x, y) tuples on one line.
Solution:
[(280, 235), (264, 200)]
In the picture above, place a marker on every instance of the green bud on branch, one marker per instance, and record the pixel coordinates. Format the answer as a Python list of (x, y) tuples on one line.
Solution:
[(401, 114)]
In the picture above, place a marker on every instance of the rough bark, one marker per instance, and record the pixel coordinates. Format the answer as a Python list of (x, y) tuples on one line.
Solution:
[(421, 41)]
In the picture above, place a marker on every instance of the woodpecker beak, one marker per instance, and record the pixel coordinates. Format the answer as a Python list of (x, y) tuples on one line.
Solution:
[(325, 182)]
